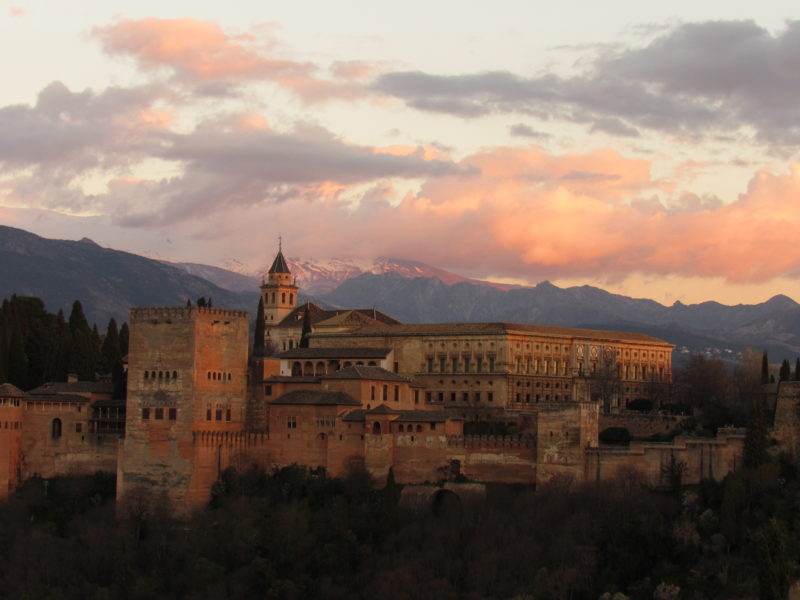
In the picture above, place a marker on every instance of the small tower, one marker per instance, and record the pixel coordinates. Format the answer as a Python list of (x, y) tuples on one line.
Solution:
[(279, 292)]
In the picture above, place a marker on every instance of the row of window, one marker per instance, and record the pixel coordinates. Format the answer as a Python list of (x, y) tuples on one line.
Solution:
[(453, 396), (9, 401), (12, 425), (217, 414), (539, 398), (454, 363), (160, 375), (158, 413), (283, 298), (217, 376)]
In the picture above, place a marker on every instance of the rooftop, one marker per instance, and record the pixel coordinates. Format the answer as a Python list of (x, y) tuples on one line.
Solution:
[(317, 398), (499, 328), (369, 373), (76, 387), (336, 353), (8, 390), (403, 416)]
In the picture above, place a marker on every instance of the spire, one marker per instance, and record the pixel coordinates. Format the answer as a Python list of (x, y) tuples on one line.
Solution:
[(279, 264)]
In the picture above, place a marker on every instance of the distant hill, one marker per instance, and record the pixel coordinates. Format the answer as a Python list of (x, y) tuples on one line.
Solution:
[(774, 325), (107, 282)]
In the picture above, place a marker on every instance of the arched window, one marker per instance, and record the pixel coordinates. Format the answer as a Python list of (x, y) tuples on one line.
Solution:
[(152, 374), (376, 428), (291, 298), (146, 374), (419, 427), (55, 429), (320, 368), (273, 299), (308, 369), (297, 369), (400, 428), (283, 297), (174, 374), (161, 374)]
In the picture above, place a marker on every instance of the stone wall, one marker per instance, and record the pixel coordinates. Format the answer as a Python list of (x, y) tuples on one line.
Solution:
[(642, 425), (786, 426)]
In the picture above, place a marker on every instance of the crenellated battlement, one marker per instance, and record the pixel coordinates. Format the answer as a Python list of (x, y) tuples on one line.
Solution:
[(182, 313)]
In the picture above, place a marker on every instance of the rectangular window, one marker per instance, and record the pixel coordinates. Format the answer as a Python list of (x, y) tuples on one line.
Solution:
[(208, 414), (428, 397), (442, 363), (441, 396), (291, 422), (479, 365), (477, 396), (218, 414), (385, 393), (490, 396), (433, 426), (430, 365), (173, 414), (159, 414), (416, 396), (78, 427), (452, 396), (145, 413), (491, 364), (268, 390), (372, 393), (454, 363), (397, 393), (228, 414), (465, 396), (396, 367)]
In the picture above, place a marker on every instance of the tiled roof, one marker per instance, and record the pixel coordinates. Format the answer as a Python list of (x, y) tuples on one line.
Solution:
[(373, 373), (76, 387), (56, 398), (496, 329), (336, 353), (336, 317), (291, 379), (404, 416), (8, 390), (279, 264), (109, 403), (317, 398)]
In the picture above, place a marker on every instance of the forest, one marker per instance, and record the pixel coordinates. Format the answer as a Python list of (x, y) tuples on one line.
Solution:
[(295, 533)]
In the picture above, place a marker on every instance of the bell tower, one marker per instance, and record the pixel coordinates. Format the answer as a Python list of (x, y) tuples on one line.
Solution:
[(279, 292)]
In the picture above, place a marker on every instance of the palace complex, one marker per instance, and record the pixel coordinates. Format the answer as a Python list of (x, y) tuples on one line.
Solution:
[(338, 386)]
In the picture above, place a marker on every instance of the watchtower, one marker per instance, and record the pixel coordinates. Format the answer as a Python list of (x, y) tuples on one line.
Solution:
[(279, 292)]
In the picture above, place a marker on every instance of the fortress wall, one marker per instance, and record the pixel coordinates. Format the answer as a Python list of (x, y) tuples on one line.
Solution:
[(696, 459)]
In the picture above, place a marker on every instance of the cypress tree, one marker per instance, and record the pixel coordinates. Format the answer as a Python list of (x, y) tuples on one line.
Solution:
[(755, 441), (124, 337), (258, 341), (306, 331), (797, 370), (764, 368), (786, 371)]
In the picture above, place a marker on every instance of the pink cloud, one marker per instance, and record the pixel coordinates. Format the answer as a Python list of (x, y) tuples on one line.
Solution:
[(17, 11), (200, 51)]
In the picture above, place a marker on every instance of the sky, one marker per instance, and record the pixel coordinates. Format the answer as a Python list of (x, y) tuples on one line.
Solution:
[(648, 150)]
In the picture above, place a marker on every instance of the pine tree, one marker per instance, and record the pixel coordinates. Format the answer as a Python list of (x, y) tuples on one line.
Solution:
[(785, 373), (17, 360), (764, 368), (258, 341)]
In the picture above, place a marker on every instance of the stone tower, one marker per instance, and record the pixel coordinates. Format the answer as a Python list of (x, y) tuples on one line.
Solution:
[(187, 376), (279, 293)]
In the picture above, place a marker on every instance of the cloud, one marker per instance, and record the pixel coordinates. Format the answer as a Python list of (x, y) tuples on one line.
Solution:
[(202, 54), (696, 79), (570, 220), (522, 130), (17, 11)]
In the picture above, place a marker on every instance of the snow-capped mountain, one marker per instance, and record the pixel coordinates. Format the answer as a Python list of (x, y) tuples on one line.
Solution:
[(323, 276)]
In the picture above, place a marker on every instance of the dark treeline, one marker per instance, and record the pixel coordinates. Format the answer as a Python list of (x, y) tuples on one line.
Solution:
[(37, 346), (298, 534)]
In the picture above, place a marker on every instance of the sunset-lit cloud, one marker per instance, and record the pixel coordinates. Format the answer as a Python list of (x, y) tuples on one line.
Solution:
[(200, 52)]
